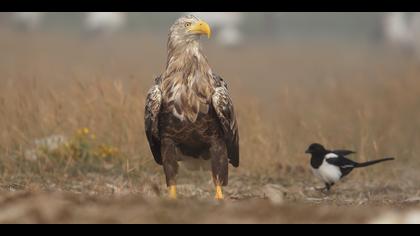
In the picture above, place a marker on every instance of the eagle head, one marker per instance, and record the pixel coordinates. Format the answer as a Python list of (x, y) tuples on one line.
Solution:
[(189, 28)]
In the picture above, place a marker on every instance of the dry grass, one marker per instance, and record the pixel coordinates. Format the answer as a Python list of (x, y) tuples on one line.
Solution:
[(286, 95)]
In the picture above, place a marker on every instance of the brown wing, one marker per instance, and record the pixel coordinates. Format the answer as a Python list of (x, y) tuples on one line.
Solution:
[(224, 109), (151, 121)]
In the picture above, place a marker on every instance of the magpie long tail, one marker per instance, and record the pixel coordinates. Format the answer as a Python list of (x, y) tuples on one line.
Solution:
[(369, 163)]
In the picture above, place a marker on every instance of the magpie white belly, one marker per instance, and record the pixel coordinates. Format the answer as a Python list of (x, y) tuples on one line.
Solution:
[(328, 173)]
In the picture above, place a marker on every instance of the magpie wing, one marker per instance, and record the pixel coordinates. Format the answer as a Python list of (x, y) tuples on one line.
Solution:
[(345, 165), (343, 152)]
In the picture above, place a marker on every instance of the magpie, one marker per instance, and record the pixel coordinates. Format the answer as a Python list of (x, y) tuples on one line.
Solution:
[(332, 165)]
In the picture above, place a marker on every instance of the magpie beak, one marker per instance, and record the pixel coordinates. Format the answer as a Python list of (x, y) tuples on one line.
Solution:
[(307, 151)]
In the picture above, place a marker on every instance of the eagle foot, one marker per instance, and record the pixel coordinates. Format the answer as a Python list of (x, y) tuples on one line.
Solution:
[(219, 193), (172, 192)]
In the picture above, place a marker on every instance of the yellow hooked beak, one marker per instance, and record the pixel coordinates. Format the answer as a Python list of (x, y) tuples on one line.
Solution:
[(201, 27)]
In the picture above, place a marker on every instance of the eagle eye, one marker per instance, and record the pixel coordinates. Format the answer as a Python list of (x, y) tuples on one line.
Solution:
[(188, 24)]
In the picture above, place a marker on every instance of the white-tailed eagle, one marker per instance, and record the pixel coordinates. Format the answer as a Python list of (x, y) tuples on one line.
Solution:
[(189, 111)]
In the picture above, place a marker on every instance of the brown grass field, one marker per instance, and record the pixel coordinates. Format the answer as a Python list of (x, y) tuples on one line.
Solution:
[(287, 95)]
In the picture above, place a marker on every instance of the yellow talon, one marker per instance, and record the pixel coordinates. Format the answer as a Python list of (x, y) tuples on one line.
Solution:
[(219, 193), (172, 192)]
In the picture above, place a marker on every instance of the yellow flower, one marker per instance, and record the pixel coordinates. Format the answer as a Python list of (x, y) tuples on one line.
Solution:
[(83, 131), (107, 151)]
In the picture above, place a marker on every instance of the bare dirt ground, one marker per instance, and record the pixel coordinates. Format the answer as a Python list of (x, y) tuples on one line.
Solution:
[(73, 150), (269, 203), (70, 208)]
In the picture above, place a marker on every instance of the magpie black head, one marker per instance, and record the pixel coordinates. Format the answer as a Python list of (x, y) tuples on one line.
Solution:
[(316, 148)]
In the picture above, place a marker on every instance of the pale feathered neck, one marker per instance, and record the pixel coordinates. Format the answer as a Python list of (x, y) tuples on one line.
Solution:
[(185, 53)]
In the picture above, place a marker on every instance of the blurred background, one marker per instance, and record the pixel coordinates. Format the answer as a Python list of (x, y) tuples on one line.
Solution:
[(273, 24), (73, 85), (266, 25)]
